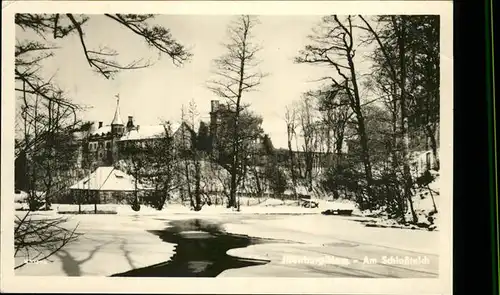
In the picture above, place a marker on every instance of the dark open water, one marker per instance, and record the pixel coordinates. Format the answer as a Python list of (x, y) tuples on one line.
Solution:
[(200, 251)]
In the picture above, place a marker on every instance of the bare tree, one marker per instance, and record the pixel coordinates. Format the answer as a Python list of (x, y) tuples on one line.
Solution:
[(421, 48), (237, 73), (135, 162), (333, 105), (192, 156), (49, 149), (103, 60), (290, 121), (86, 165), (396, 43), (186, 163), (154, 163), (38, 239), (30, 52), (309, 132), (48, 116), (250, 132), (162, 164), (333, 44), (257, 178)]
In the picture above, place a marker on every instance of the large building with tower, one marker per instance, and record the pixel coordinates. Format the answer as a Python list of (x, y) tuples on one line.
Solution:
[(101, 144)]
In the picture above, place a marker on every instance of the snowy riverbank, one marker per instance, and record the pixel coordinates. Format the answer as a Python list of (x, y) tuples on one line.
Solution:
[(108, 244), (321, 229)]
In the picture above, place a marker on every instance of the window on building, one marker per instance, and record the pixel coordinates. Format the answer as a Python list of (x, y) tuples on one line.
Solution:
[(108, 145)]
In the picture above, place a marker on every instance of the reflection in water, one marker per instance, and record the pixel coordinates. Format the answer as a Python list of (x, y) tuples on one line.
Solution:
[(200, 251)]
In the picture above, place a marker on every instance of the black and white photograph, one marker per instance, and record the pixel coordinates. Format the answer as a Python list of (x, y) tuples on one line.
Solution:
[(290, 145)]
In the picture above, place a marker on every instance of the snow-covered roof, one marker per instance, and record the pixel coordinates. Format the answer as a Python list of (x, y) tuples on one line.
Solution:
[(148, 131), (144, 132), (103, 130), (107, 179)]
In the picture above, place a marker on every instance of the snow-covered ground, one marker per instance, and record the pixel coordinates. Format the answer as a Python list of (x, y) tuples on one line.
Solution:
[(118, 242), (425, 202), (122, 238), (109, 244), (263, 206)]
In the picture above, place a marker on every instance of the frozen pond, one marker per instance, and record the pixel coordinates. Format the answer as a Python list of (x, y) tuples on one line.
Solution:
[(200, 251)]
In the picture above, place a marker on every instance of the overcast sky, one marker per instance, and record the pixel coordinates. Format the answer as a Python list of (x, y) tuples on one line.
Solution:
[(158, 92)]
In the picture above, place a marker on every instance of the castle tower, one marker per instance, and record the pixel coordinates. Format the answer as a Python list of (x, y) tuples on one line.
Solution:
[(130, 123), (117, 126), (117, 130)]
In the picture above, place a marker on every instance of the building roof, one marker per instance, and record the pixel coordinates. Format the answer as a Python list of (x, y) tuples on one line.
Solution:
[(102, 130), (148, 132), (107, 179), (144, 132)]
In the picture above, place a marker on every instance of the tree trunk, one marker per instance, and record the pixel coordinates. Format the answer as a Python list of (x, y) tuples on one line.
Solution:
[(34, 175), (365, 155), (235, 161), (188, 184), (47, 200), (257, 181), (433, 201), (309, 169), (394, 161), (232, 190), (50, 143), (136, 198), (432, 138), (404, 120), (292, 165), (236, 133), (135, 205), (197, 191), (338, 160)]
